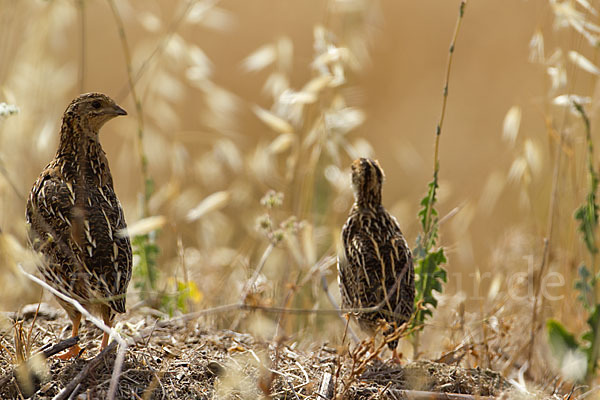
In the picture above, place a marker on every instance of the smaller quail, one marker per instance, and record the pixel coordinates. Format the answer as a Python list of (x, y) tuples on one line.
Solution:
[(375, 267), (76, 221)]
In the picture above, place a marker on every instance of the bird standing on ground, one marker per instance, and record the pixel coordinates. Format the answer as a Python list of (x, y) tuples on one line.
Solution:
[(76, 221), (375, 268)]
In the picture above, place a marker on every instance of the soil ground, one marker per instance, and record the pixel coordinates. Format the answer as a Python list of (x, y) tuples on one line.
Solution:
[(184, 361)]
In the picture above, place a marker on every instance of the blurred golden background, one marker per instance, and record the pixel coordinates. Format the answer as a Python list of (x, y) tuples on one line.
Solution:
[(203, 133)]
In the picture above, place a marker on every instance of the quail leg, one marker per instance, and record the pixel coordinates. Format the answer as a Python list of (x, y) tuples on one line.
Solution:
[(396, 358), (75, 350), (107, 318)]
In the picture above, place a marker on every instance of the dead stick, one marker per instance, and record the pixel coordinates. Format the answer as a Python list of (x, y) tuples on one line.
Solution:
[(325, 288), (64, 394), (422, 395), (326, 386), (60, 346), (7, 378)]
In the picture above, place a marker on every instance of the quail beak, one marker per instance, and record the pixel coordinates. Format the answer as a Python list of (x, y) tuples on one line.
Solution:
[(119, 111), (113, 111)]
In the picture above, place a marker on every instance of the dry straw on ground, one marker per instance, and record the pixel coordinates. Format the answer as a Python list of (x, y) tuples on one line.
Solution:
[(184, 360)]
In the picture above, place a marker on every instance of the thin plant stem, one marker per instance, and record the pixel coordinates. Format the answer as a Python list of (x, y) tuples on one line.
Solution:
[(592, 177), (591, 240), (428, 223), (344, 320), (537, 278), (547, 239), (138, 107), (170, 32), (252, 281), (438, 131), (81, 7), (100, 324), (536, 299)]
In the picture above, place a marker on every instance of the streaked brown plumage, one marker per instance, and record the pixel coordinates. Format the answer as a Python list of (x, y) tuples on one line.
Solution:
[(375, 267), (76, 220)]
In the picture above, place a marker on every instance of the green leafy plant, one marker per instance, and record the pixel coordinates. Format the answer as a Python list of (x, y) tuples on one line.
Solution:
[(429, 274), (184, 292), (144, 246), (145, 273), (561, 340), (175, 294), (428, 260)]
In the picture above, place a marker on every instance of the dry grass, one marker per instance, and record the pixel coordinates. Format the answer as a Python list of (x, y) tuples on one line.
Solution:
[(185, 360), (220, 123)]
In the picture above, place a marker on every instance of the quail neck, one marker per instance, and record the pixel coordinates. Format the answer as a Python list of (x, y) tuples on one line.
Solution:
[(367, 182)]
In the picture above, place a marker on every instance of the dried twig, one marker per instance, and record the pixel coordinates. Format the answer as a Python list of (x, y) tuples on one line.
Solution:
[(252, 281), (326, 386), (547, 241), (534, 323), (138, 107), (74, 385), (438, 132), (6, 378), (57, 348), (81, 8), (77, 305), (325, 287), (60, 346), (122, 343), (421, 395)]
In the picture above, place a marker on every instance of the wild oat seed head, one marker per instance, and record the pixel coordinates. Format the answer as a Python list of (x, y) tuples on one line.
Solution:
[(583, 63)]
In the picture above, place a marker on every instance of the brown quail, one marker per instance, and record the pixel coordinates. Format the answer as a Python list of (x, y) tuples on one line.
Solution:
[(375, 268), (76, 221)]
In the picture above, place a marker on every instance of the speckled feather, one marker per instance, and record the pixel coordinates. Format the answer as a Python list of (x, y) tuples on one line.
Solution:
[(75, 217), (375, 267)]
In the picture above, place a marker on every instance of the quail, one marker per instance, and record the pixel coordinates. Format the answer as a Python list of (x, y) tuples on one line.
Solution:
[(375, 267), (76, 221)]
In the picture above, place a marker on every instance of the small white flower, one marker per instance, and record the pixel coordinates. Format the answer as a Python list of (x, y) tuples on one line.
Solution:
[(7, 110)]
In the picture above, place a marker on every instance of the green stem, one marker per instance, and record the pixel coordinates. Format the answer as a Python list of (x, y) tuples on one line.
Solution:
[(592, 247)]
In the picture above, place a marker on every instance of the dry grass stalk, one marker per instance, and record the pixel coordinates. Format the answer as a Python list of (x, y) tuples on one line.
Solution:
[(138, 107), (72, 389), (122, 343)]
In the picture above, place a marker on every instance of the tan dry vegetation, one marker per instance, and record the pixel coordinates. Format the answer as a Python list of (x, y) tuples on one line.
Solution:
[(220, 131)]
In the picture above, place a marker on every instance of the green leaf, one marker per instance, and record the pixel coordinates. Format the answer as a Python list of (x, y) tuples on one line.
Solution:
[(560, 339), (145, 271), (428, 214), (430, 278), (591, 337), (429, 274), (587, 215), (584, 287), (592, 322)]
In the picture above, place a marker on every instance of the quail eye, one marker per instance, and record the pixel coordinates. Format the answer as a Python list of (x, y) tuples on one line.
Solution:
[(96, 104)]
